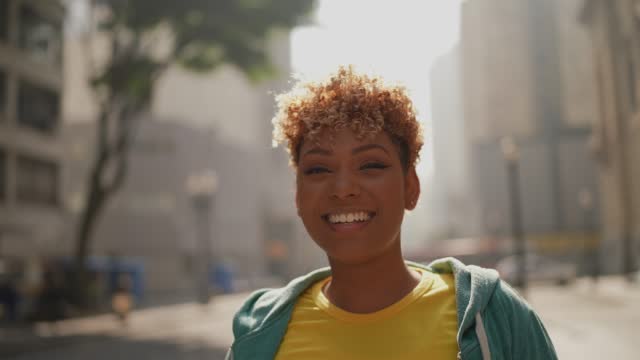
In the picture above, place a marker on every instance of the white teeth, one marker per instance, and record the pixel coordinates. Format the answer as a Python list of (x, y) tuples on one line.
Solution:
[(348, 218)]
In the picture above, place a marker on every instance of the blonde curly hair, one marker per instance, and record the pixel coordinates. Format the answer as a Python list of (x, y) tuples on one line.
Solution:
[(346, 99)]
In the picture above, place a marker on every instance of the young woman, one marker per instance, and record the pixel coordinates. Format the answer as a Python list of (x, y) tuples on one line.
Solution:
[(354, 144)]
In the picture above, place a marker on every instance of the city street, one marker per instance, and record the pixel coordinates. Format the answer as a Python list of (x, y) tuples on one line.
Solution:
[(585, 322), (154, 152)]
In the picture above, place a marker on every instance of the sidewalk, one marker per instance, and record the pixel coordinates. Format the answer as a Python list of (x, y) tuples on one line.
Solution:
[(588, 320), (155, 322), (607, 288)]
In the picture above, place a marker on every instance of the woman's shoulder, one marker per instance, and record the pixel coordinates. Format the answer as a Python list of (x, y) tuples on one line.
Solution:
[(291, 290), (263, 305)]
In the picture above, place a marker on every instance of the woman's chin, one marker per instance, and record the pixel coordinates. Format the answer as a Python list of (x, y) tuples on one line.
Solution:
[(353, 255)]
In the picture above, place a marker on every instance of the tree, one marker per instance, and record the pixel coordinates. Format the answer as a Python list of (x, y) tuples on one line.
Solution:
[(203, 35)]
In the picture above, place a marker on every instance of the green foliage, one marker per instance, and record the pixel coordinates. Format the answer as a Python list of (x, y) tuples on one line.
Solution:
[(130, 79), (207, 33)]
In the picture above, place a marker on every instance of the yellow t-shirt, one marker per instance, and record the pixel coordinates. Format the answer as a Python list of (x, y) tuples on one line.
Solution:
[(422, 325)]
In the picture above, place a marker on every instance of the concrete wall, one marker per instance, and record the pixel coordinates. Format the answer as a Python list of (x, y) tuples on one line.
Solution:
[(616, 138)]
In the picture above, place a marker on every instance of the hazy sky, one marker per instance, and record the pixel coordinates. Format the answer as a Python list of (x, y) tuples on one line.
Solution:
[(396, 39)]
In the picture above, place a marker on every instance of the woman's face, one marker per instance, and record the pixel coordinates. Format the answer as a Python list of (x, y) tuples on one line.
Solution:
[(351, 194)]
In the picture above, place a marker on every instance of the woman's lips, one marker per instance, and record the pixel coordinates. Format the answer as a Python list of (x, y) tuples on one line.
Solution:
[(348, 227)]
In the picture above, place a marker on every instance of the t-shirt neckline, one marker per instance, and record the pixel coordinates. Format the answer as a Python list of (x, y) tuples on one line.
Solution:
[(426, 282)]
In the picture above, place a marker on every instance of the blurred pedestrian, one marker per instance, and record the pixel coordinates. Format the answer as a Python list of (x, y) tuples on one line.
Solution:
[(9, 298), (51, 303), (223, 278), (121, 299), (354, 143), (96, 290)]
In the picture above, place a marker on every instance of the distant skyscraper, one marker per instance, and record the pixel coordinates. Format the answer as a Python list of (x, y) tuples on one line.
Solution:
[(451, 205), (524, 76), (615, 37)]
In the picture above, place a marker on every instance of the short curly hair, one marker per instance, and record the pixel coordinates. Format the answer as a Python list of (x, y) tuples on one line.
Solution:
[(362, 103)]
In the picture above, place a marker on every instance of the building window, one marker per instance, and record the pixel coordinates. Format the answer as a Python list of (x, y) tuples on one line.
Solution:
[(38, 107), (631, 68), (37, 181), (3, 175), (40, 37), (4, 20), (3, 94)]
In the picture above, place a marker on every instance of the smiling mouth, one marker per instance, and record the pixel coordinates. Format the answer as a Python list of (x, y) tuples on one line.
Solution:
[(349, 221)]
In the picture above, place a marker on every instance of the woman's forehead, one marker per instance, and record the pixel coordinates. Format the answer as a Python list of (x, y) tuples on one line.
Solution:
[(330, 138)]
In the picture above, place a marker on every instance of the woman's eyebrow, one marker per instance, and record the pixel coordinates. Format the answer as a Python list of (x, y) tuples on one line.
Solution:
[(359, 149), (366, 147), (318, 150)]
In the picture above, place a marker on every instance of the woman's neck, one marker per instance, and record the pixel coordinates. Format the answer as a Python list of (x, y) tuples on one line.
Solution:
[(370, 286)]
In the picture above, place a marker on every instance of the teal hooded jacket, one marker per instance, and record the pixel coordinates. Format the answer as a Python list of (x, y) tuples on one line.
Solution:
[(493, 321)]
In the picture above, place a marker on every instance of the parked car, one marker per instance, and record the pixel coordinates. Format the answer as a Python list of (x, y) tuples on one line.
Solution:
[(538, 269)]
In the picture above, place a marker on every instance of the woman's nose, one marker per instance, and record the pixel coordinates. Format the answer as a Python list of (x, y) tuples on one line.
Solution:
[(345, 185)]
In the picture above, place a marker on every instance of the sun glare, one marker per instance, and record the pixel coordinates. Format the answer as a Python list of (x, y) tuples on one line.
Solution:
[(398, 40)]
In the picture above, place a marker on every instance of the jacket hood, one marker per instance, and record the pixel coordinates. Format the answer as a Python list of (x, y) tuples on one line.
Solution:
[(474, 288), (270, 309)]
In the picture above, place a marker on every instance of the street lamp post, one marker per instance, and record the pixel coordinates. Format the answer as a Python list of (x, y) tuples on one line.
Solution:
[(201, 188), (511, 155), (590, 254)]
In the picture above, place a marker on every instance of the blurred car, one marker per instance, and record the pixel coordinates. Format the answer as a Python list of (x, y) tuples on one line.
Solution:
[(538, 269)]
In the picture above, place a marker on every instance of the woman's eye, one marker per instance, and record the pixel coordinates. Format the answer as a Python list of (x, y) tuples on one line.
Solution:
[(373, 165), (316, 170)]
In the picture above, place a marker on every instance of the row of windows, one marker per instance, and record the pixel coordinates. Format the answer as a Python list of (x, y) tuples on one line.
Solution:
[(37, 180), (4, 20), (39, 36), (41, 39)]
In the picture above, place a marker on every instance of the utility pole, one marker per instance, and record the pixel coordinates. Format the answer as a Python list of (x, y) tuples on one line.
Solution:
[(201, 188), (511, 155)]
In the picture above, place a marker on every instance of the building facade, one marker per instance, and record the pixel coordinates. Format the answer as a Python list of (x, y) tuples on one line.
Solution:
[(452, 213), (32, 219), (614, 32), (525, 72), (241, 113), (154, 219)]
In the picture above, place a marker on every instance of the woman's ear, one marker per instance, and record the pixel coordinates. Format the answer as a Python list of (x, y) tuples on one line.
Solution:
[(412, 189)]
